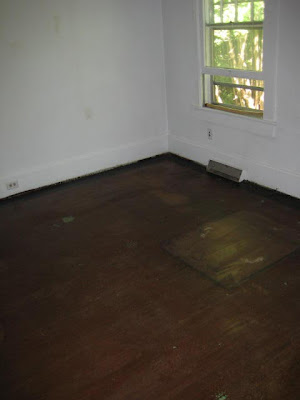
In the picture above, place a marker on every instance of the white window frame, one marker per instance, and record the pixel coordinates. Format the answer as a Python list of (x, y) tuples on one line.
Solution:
[(269, 73)]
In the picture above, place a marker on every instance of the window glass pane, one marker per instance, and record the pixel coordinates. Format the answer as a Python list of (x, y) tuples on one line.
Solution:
[(229, 13), (239, 81), (235, 92), (225, 11), (237, 48), (244, 12), (259, 11), (246, 98), (217, 14)]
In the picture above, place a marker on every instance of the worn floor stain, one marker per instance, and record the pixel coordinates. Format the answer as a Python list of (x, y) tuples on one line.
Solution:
[(256, 260), (232, 249), (170, 198), (222, 396), (1, 333), (206, 232), (68, 220), (131, 244)]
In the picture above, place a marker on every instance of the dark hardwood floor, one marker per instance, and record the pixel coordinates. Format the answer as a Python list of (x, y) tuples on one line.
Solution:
[(93, 306)]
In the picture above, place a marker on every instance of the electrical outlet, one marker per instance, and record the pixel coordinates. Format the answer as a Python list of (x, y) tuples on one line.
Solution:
[(12, 185), (209, 134)]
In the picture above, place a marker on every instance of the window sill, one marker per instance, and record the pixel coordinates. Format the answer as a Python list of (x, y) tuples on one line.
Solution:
[(256, 126), (245, 113)]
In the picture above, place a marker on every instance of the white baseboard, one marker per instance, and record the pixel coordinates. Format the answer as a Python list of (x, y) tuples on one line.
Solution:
[(75, 167), (284, 181)]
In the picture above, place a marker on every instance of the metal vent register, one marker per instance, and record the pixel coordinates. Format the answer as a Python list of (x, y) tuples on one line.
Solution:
[(234, 174)]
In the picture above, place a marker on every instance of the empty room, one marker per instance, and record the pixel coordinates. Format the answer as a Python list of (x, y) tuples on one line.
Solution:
[(149, 200)]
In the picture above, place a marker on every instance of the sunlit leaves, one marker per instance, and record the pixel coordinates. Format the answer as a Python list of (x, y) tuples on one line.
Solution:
[(244, 12), (230, 11), (238, 48), (259, 11), (236, 92)]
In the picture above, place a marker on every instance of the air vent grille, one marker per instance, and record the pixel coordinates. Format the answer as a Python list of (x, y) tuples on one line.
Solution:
[(225, 171)]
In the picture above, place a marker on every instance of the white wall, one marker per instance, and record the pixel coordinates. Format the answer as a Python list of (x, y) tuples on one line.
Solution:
[(269, 153), (82, 87)]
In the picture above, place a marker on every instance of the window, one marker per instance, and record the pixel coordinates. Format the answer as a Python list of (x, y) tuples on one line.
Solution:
[(233, 56)]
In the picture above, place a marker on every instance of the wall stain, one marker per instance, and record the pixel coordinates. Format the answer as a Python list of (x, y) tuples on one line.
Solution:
[(88, 113), (16, 44), (57, 24)]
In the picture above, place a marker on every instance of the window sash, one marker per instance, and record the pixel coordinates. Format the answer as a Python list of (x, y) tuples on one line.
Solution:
[(210, 6), (209, 100), (235, 25), (210, 26), (238, 73), (236, 85), (210, 60)]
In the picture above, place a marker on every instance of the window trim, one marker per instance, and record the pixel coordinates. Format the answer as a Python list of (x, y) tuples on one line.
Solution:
[(269, 73)]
